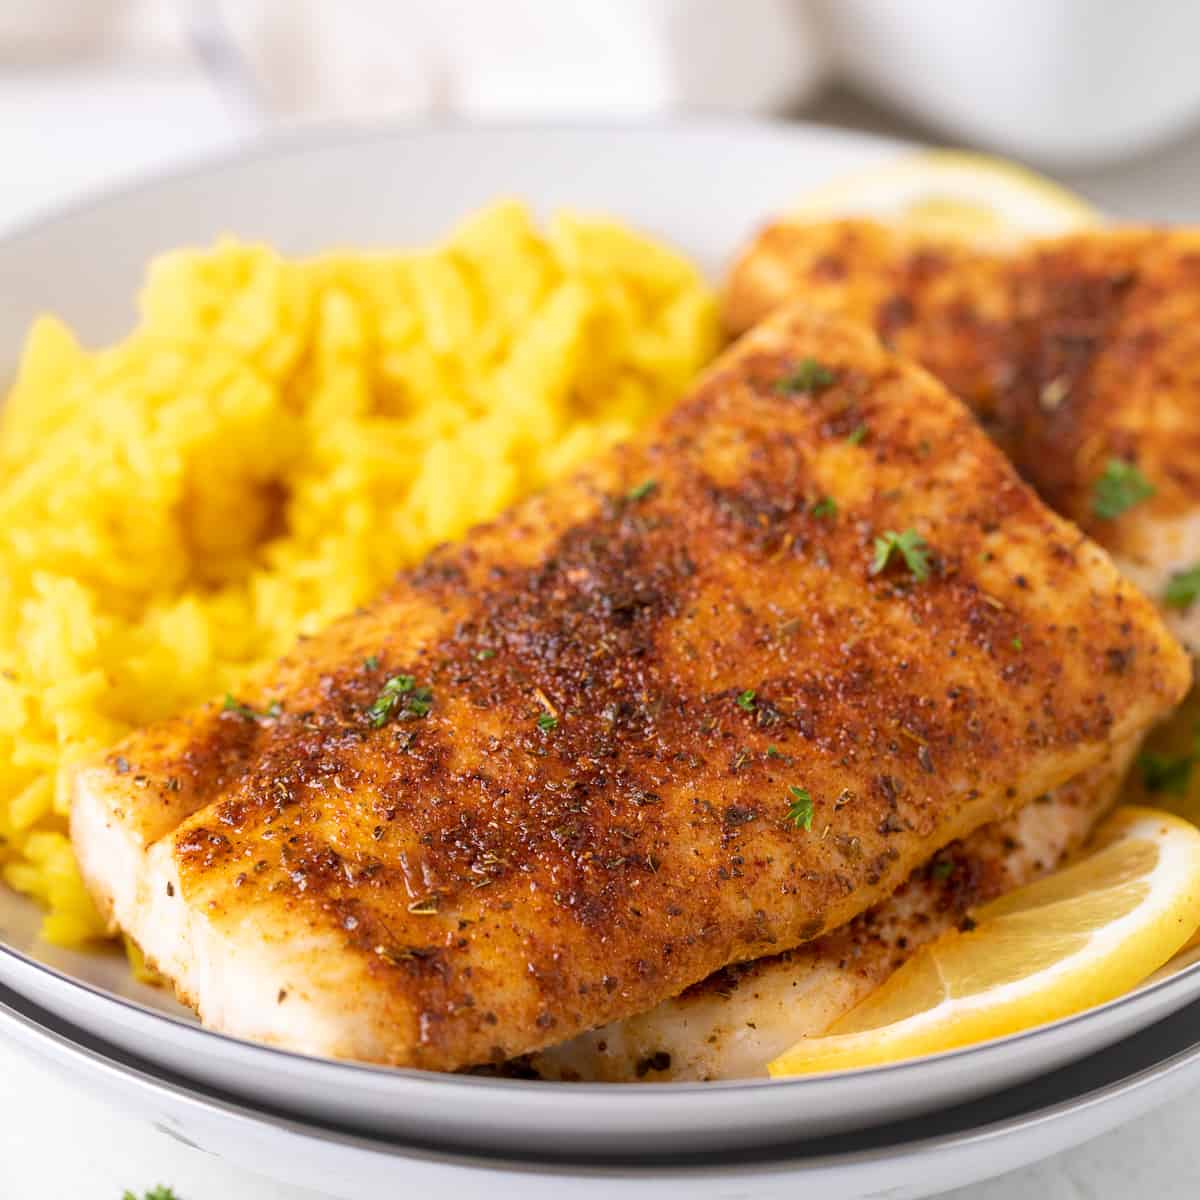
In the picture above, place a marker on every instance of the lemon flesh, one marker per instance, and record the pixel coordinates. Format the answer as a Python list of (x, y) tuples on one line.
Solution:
[(1077, 938)]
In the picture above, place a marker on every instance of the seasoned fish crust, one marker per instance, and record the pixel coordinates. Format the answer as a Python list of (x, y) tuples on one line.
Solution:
[(1073, 352), (633, 679), (730, 1025)]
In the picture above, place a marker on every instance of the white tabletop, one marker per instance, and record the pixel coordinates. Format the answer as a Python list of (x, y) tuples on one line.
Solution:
[(56, 1144)]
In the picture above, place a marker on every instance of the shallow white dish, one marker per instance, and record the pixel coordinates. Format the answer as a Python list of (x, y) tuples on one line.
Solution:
[(598, 1121), (704, 187), (902, 1161)]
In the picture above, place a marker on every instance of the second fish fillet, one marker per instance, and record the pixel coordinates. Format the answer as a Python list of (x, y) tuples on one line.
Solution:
[(1080, 355)]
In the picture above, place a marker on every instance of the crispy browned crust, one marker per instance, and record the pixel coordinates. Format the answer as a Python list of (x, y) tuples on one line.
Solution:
[(940, 893), (495, 887), (1071, 351), (730, 1019)]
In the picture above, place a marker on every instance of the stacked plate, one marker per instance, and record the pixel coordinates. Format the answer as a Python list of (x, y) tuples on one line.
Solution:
[(911, 1157), (913, 1128)]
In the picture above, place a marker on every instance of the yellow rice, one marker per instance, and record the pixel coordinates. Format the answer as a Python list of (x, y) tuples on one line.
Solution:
[(272, 441)]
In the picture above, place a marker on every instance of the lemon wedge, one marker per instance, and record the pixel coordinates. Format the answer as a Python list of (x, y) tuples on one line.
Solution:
[(1072, 940), (951, 195)]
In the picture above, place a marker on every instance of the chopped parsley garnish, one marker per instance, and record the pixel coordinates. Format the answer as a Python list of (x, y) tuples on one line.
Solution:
[(1170, 773), (1120, 488), (745, 700), (158, 1193), (774, 752), (641, 491), (909, 545), (800, 809), (942, 869), (400, 698), (856, 435), (1017, 644), (1184, 588), (547, 722), (808, 376), (1166, 772), (825, 507), (232, 704), (484, 654), (371, 662)]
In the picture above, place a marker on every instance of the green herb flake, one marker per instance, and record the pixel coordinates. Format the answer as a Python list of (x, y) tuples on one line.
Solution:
[(1183, 590), (484, 654), (1170, 773), (400, 697), (745, 700), (942, 869), (158, 1193), (547, 722), (809, 376), (641, 491), (800, 808), (371, 662), (1121, 487), (909, 545), (774, 752), (825, 507), (857, 435), (234, 705), (1017, 644)]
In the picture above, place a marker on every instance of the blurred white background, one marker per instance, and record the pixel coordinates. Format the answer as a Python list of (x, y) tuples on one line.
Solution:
[(95, 90), (1103, 93)]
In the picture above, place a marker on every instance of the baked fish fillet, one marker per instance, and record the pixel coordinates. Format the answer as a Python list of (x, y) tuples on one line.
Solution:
[(730, 1025), (1075, 353), (958, 311), (673, 714)]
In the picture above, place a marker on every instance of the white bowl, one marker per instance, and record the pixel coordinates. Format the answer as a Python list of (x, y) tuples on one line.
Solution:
[(1063, 82), (912, 1159), (705, 187)]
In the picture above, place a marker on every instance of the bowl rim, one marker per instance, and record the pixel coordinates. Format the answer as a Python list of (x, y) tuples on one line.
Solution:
[(319, 136), (39, 1028)]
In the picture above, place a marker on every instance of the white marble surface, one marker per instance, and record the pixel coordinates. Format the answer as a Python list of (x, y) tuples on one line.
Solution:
[(66, 131)]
